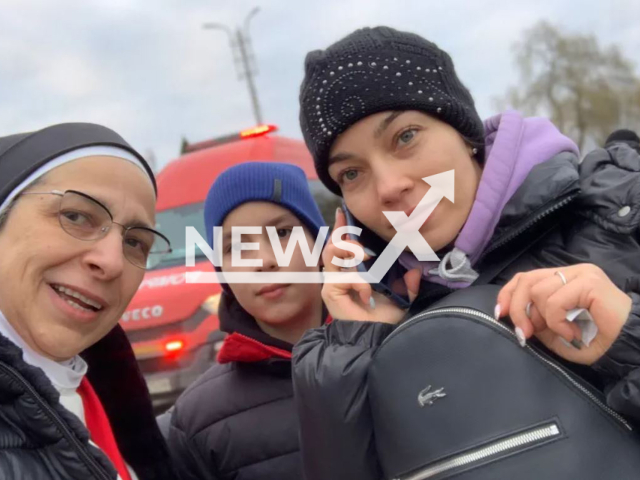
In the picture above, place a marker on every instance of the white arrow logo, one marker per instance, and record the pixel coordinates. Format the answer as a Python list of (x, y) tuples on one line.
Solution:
[(408, 228)]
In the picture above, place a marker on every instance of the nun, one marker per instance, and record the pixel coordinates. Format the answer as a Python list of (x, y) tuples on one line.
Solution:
[(77, 224)]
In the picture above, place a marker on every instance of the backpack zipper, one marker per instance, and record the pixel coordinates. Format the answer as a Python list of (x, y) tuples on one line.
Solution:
[(483, 316), (89, 460), (486, 451)]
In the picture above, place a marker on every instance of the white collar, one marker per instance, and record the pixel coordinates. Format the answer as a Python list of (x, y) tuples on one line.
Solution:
[(63, 375)]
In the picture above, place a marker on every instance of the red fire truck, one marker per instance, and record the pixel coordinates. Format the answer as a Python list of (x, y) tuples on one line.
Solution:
[(173, 325)]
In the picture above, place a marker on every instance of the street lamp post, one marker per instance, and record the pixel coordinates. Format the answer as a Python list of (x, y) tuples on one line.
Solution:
[(241, 41)]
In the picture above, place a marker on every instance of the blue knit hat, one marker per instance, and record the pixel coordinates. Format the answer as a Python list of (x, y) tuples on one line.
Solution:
[(280, 183)]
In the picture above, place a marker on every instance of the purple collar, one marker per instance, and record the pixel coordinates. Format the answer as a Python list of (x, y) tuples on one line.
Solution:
[(514, 146)]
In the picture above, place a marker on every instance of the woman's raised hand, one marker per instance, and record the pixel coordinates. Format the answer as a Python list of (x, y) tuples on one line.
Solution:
[(358, 301), (538, 302)]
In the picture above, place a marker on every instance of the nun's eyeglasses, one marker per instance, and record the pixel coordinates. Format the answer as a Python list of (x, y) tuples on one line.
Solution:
[(85, 218)]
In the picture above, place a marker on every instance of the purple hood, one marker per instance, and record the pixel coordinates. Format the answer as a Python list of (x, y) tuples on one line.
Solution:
[(514, 145)]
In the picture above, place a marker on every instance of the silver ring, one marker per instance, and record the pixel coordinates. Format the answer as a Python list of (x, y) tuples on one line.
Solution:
[(562, 277), (527, 310)]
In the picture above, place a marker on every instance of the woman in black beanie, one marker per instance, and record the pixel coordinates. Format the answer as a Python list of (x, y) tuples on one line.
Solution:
[(384, 115), (77, 211)]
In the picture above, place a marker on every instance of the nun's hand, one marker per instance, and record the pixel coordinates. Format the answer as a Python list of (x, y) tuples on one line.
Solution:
[(538, 302), (358, 301)]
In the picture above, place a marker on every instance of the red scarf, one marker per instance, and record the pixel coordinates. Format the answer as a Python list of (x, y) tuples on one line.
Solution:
[(100, 429)]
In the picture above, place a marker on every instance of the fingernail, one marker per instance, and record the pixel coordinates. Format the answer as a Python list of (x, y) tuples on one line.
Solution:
[(577, 344), (372, 302), (496, 312), (520, 336), (370, 252), (338, 211)]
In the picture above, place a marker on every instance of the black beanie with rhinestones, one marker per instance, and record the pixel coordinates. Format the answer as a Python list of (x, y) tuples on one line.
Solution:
[(374, 70)]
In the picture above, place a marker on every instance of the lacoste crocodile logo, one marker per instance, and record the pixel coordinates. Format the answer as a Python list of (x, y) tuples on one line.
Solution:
[(426, 397)]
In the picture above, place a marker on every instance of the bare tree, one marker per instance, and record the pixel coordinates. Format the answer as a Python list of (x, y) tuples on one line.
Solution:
[(587, 91)]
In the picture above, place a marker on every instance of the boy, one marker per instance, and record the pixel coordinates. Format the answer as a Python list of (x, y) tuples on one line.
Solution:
[(238, 420)]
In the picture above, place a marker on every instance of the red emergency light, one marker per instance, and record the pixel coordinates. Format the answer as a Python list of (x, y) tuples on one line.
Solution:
[(247, 134), (174, 346), (258, 131)]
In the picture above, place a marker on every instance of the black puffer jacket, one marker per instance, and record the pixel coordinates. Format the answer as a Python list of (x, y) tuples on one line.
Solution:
[(588, 214), (41, 440), (238, 420)]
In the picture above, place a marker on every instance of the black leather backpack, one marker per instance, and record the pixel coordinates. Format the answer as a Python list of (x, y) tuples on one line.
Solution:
[(453, 395)]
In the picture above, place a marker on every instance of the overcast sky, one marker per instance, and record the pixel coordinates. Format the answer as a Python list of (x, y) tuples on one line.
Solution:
[(147, 69)]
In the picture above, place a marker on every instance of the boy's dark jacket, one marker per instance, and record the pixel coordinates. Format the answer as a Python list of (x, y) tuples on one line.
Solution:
[(238, 420), (594, 226)]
